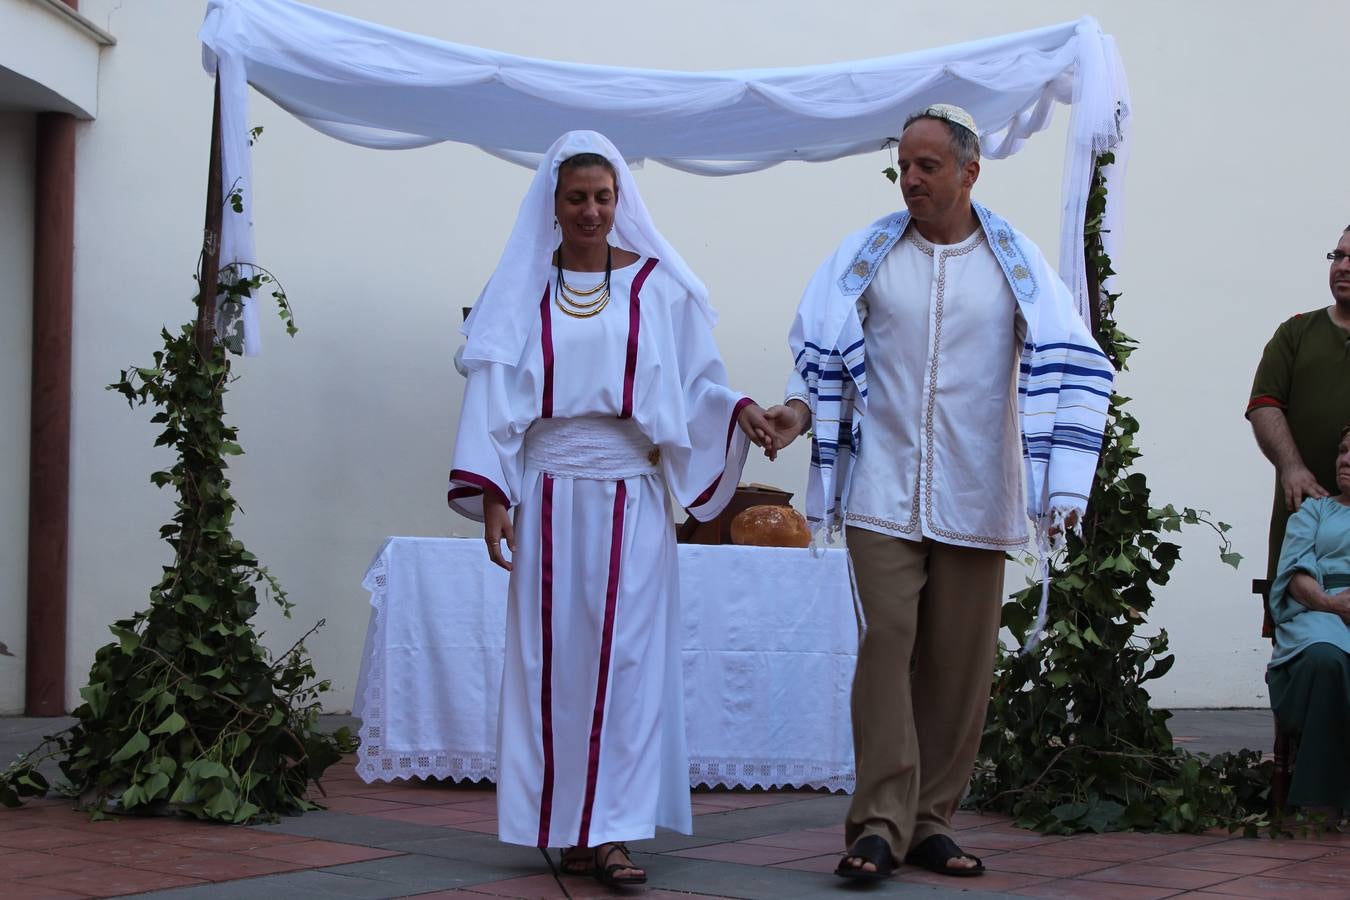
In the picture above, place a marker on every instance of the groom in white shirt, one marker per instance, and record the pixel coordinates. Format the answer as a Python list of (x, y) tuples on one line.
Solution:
[(933, 497)]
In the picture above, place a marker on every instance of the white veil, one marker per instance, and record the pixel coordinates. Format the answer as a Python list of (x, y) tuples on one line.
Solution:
[(500, 322)]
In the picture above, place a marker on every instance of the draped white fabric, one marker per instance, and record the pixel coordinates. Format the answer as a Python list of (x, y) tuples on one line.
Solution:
[(378, 87)]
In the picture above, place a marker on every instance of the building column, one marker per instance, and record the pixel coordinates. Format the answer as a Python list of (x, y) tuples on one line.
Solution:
[(49, 441)]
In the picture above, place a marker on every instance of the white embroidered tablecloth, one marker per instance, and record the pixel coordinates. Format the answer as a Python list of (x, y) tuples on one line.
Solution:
[(769, 649)]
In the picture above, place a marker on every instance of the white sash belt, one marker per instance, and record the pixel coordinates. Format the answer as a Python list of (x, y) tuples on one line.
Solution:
[(600, 449)]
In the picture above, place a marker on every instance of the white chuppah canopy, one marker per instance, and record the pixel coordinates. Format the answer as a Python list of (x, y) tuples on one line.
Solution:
[(378, 87)]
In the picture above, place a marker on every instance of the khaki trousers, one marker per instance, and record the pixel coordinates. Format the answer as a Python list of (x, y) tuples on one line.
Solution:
[(925, 665)]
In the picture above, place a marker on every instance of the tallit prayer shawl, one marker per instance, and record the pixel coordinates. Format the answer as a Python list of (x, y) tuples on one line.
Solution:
[(378, 87), (1064, 380)]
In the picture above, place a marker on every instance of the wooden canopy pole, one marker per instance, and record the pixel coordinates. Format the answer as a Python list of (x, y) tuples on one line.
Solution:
[(209, 277)]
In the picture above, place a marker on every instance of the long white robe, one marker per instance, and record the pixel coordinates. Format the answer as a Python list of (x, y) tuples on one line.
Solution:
[(591, 742)]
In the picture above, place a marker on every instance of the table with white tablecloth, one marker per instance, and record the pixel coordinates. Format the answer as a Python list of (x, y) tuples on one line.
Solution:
[(770, 642)]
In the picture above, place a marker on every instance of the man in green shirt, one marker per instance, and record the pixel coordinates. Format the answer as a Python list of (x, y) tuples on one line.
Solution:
[(1300, 399)]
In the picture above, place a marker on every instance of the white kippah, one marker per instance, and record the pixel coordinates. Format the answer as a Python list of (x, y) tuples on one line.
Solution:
[(954, 114)]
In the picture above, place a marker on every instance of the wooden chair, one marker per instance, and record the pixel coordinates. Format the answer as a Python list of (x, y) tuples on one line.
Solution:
[(1286, 745)]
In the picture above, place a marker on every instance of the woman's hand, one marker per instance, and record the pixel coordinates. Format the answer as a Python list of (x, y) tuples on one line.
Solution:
[(1305, 589), (497, 525)]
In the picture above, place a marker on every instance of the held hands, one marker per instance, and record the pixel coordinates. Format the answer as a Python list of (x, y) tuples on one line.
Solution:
[(785, 422), (497, 525), (756, 426), (1298, 485), (766, 428)]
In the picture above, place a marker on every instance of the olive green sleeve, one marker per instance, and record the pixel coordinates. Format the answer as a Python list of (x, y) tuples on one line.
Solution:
[(1270, 386)]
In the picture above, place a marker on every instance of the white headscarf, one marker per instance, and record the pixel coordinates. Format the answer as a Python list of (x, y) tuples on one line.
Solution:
[(501, 320)]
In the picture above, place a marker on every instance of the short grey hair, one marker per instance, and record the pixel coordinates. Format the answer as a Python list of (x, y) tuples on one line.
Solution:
[(965, 143)]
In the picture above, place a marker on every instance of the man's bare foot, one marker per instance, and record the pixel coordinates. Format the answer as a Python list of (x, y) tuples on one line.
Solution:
[(939, 853), (869, 859)]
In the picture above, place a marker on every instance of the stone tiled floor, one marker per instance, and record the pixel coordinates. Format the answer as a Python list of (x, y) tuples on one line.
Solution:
[(438, 840)]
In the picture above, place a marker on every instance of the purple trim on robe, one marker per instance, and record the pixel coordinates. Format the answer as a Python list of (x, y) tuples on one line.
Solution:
[(546, 340), (731, 430), (546, 677), (634, 320), (602, 679), (482, 485)]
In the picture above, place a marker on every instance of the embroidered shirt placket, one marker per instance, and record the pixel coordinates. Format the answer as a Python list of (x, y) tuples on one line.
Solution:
[(938, 298)]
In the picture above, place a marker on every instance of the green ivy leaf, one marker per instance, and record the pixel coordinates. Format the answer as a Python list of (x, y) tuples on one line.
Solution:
[(204, 769), (197, 600), (172, 724), (137, 743)]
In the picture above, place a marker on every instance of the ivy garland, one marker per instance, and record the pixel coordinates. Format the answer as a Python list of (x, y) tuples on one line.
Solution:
[(186, 711), (1070, 742)]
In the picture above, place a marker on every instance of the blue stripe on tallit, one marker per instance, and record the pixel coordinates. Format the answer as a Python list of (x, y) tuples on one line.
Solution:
[(1068, 369), (1068, 387), (1046, 374)]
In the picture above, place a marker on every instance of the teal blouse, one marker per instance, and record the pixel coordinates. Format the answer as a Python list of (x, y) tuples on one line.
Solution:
[(1317, 541)]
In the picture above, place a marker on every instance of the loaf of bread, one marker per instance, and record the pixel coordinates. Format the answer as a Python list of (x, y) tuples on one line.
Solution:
[(770, 526)]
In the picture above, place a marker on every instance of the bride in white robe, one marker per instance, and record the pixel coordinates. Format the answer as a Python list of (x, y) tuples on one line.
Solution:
[(588, 405)]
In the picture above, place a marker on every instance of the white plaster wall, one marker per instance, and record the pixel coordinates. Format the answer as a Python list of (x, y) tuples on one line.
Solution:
[(49, 48), (1233, 197), (16, 333)]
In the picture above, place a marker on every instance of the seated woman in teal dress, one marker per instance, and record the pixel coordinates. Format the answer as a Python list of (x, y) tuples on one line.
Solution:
[(1309, 673)]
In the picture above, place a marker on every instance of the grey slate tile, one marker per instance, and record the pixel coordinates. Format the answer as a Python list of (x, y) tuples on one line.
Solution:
[(416, 874), (310, 885)]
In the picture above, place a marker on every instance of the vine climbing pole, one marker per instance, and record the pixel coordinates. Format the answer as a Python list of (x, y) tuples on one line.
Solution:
[(186, 711), (1071, 741)]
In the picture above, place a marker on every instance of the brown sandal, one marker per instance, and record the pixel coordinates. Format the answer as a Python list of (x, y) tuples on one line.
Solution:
[(570, 862), (606, 871)]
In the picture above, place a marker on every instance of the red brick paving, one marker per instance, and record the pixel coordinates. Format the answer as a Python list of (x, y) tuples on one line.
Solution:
[(1231, 863), (1072, 889), (49, 850), (1147, 874), (316, 854), (823, 863), (802, 840), (1034, 864), (109, 881)]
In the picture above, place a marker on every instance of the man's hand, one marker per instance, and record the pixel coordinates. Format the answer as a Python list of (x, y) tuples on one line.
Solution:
[(1277, 443), (1298, 485), (1070, 521), (497, 525), (786, 422)]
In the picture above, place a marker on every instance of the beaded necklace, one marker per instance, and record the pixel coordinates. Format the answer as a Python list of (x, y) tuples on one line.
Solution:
[(582, 304)]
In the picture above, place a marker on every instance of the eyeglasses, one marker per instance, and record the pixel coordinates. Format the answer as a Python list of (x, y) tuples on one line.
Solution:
[(1336, 256)]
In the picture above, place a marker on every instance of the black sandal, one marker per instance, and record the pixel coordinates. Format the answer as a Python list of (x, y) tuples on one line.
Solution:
[(572, 863), (935, 851), (605, 870), (869, 848)]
